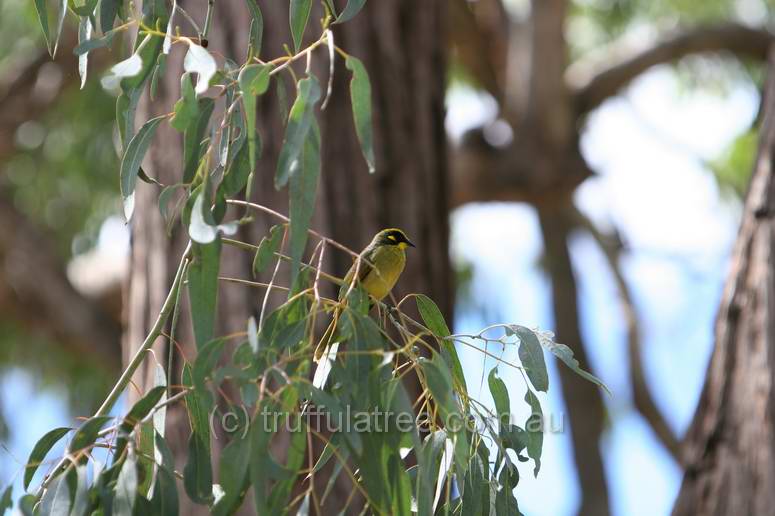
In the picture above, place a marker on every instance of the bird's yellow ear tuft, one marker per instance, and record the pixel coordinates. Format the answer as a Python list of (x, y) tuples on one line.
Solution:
[(392, 237)]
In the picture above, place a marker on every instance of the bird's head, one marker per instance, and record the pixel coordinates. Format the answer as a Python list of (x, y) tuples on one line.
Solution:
[(393, 236)]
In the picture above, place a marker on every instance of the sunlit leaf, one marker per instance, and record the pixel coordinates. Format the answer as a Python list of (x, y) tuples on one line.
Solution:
[(84, 33), (199, 61), (360, 96)]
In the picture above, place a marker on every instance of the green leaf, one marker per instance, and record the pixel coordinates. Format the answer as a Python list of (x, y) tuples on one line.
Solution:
[(350, 10), (131, 73), (39, 451), (199, 61), (534, 430), (6, 500), (192, 139), (239, 171), (203, 289), (499, 394), (431, 316), (86, 434), (532, 357), (81, 498), (133, 158), (360, 97), (139, 410), (234, 479), (299, 14), (267, 248), (299, 124), (94, 43), (27, 504), (56, 499), (197, 474), (165, 493), (206, 361), (40, 8), (84, 32), (186, 108), (197, 404), (108, 11), (303, 191), (126, 487), (565, 354), (256, 28), (253, 81)]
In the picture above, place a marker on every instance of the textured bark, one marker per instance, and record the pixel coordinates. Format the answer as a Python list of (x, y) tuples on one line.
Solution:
[(730, 446), (400, 43)]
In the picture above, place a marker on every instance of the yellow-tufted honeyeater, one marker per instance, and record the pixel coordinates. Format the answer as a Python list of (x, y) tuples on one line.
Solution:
[(378, 268)]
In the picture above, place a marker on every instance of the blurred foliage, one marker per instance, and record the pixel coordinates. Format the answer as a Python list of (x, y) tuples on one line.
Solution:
[(734, 167), (64, 178)]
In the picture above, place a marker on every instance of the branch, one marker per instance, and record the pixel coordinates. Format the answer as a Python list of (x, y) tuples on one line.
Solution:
[(739, 40), (644, 403)]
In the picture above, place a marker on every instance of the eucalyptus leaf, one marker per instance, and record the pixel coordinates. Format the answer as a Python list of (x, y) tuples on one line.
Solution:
[(256, 28), (532, 356), (299, 124), (186, 108), (565, 354), (199, 61), (303, 192), (133, 158), (266, 249), (360, 97), (203, 289), (299, 14), (39, 451), (126, 487), (350, 10)]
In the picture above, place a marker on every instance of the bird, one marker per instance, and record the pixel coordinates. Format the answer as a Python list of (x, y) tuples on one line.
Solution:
[(378, 268), (380, 264)]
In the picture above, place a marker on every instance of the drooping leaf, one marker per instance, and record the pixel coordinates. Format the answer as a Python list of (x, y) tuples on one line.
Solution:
[(360, 97), (39, 451), (350, 10), (133, 158), (84, 33), (299, 14), (256, 28), (138, 412), (253, 81), (197, 404), (266, 249), (500, 394), (165, 493), (203, 289), (193, 136), (234, 478), (565, 354), (239, 171), (6, 500), (534, 430), (299, 124), (186, 108), (199, 61), (532, 356), (108, 11), (42, 11), (197, 474), (56, 499), (303, 191), (126, 487)]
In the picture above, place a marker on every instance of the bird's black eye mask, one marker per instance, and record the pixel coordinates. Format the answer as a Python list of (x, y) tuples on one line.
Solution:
[(396, 238)]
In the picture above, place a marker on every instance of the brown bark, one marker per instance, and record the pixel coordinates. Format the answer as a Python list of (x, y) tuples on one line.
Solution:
[(401, 45), (730, 446)]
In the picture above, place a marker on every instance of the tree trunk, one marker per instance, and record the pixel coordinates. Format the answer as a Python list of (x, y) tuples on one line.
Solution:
[(401, 45), (730, 447)]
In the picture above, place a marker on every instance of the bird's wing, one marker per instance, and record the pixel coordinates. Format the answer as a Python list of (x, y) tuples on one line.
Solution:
[(364, 268)]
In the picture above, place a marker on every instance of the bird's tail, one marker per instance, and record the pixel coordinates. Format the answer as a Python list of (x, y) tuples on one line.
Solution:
[(325, 340)]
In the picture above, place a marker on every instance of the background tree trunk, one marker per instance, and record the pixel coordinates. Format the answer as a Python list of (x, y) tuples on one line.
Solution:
[(730, 447), (401, 45)]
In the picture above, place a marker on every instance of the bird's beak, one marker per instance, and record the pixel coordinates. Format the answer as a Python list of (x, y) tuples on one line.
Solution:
[(409, 243)]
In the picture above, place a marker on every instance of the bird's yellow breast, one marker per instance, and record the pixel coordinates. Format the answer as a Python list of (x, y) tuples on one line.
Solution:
[(388, 264)]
